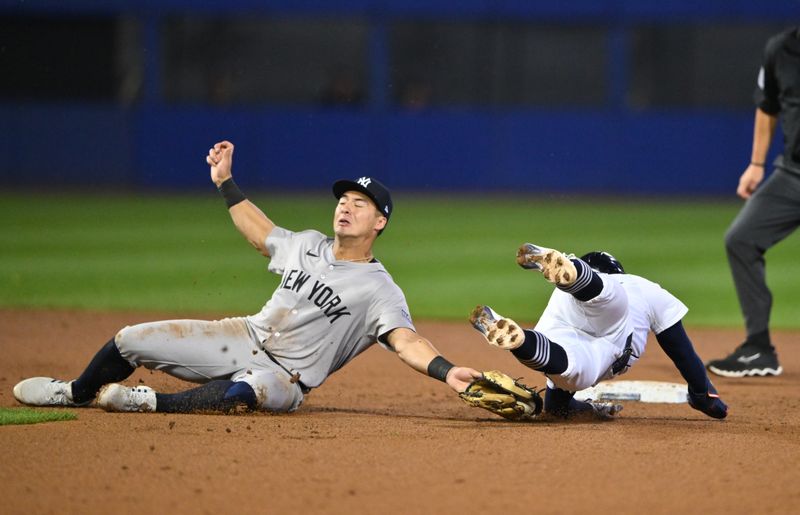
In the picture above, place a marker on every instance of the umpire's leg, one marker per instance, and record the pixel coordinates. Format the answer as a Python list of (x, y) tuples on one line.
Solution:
[(768, 217)]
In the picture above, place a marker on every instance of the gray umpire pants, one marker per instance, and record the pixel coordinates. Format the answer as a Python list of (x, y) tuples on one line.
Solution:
[(769, 216)]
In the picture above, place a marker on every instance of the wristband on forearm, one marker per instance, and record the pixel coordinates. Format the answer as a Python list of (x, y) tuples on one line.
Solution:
[(438, 368), (760, 165), (231, 192)]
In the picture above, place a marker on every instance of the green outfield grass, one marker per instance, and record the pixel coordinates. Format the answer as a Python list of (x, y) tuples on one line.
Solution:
[(181, 253), (17, 416)]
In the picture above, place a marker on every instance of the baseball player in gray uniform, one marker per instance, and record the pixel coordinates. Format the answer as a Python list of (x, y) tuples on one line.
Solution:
[(333, 302), (595, 327)]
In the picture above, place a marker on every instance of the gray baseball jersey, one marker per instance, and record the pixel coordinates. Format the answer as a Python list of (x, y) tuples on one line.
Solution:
[(324, 312)]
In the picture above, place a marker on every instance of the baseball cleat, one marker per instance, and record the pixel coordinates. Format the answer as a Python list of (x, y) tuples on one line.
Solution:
[(555, 266), (746, 361), (498, 331), (589, 409), (45, 391), (605, 410), (117, 397)]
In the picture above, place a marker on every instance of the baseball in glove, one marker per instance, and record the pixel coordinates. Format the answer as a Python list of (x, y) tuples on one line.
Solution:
[(503, 395)]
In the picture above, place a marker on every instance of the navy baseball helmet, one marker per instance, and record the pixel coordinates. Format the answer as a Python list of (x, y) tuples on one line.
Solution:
[(603, 262), (372, 188)]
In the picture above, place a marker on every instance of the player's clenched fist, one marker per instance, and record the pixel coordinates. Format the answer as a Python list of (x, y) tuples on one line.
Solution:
[(220, 158)]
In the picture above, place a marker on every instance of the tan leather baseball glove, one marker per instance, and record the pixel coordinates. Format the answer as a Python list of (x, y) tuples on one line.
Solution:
[(503, 395)]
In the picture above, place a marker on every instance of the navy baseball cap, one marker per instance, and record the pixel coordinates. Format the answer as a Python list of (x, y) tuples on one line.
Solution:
[(372, 188)]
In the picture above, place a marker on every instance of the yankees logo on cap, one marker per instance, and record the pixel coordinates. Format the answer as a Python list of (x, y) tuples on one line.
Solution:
[(372, 188)]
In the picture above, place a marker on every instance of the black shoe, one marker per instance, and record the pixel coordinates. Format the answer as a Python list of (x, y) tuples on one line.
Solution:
[(747, 360)]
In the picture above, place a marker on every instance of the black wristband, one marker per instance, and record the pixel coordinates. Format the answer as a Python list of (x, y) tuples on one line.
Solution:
[(231, 192), (760, 165), (439, 367)]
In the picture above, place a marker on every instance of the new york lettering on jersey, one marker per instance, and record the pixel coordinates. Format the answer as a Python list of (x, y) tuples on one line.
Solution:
[(320, 294)]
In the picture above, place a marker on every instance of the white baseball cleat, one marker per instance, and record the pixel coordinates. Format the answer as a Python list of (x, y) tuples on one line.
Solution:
[(117, 397), (555, 266), (45, 391), (498, 331)]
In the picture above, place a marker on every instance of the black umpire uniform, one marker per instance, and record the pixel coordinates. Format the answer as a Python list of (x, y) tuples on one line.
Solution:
[(770, 214)]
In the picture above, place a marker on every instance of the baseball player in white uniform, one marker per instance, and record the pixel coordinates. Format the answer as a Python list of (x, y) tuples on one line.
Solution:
[(334, 301), (595, 327)]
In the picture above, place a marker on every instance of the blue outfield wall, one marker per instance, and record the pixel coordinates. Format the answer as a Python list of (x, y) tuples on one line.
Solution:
[(552, 151), (74, 144), (628, 10), (617, 149)]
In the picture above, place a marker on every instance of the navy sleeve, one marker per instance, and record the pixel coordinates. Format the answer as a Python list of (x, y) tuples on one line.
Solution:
[(676, 344)]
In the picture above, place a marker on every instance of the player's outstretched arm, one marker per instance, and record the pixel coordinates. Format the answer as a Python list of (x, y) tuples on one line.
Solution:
[(248, 218), (418, 353), (702, 394)]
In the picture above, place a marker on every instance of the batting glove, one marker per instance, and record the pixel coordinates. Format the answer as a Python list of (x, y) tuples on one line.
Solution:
[(708, 402)]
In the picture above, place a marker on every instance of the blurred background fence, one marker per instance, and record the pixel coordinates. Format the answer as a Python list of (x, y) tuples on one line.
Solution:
[(598, 96)]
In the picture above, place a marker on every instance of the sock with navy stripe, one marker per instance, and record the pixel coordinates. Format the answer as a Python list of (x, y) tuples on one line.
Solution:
[(220, 395), (107, 366), (587, 285), (539, 353)]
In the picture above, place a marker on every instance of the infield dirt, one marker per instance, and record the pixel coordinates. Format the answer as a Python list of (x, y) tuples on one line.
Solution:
[(379, 438)]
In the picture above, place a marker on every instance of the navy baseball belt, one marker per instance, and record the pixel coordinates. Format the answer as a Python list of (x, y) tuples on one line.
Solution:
[(621, 363), (295, 376)]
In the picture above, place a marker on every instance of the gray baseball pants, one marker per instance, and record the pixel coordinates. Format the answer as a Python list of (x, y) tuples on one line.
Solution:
[(200, 351), (769, 216)]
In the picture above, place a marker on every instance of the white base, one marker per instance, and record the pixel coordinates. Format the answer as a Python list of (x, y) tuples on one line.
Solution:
[(642, 391)]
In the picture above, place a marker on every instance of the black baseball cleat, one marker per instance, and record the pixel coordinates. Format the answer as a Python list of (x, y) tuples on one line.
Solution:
[(747, 360), (605, 410), (586, 410)]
